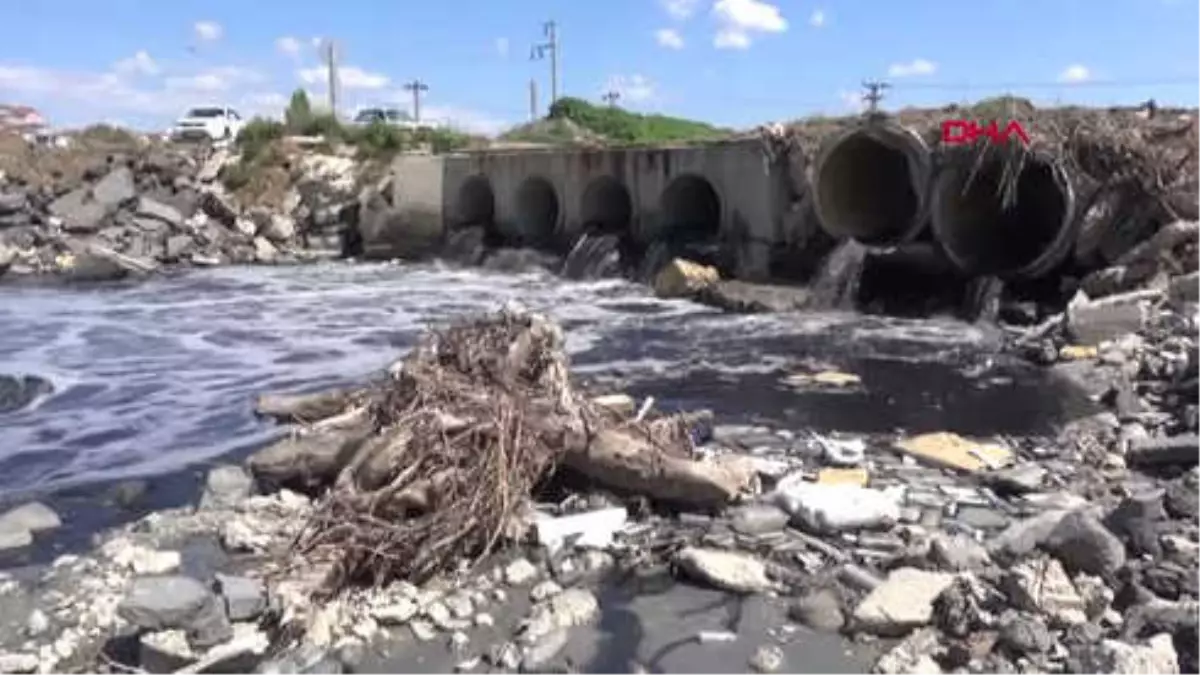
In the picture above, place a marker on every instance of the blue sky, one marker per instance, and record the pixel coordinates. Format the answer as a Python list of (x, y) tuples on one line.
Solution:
[(734, 62)]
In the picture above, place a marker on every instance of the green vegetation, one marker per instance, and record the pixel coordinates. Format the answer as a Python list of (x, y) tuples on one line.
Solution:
[(106, 134), (374, 141), (573, 120)]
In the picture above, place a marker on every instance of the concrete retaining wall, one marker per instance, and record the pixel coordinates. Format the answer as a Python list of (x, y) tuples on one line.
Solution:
[(549, 197)]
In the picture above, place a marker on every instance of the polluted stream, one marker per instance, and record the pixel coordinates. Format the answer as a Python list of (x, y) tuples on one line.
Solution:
[(155, 381)]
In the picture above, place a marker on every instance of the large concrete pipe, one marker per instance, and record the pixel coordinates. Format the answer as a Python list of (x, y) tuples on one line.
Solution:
[(992, 224), (870, 184)]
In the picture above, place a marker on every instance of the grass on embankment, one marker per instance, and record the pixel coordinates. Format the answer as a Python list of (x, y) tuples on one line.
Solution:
[(573, 121)]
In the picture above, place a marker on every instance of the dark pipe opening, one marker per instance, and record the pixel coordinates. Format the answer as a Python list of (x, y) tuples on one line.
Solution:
[(476, 203), (607, 207), (866, 190), (986, 235), (537, 212), (691, 224), (605, 247), (691, 210)]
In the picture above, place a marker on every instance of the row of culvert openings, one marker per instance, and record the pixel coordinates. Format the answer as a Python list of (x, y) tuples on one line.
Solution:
[(690, 207)]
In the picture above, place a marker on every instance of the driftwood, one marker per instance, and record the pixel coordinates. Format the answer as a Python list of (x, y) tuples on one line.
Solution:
[(627, 461), (306, 462), (436, 463), (305, 408)]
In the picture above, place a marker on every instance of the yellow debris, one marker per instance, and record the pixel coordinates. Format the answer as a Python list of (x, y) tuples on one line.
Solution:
[(684, 278), (65, 261), (1078, 352), (835, 476), (952, 451)]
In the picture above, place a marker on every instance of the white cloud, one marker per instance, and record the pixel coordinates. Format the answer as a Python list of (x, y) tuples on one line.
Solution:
[(739, 20), (214, 80), (288, 46), (138, 64), (463, 119), (731, 39), (349, 77), (1075, 73), (852, 100), (817, 18), (127, 92), (502, 47), (912, 68), (680, 9), (669, 38), (208, 31), (632, 88)]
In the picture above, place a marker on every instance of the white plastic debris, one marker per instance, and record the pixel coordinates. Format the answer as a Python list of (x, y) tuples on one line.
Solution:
[(838, 507), (842, 452), (594, 529)]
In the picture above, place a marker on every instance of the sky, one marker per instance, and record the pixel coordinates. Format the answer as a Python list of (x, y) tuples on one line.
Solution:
[(736, 63)]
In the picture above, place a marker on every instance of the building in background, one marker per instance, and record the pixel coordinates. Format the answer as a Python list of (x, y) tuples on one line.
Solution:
[(22, 120)]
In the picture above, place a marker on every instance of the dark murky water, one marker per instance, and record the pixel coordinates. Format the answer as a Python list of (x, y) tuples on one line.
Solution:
[(156, 377)]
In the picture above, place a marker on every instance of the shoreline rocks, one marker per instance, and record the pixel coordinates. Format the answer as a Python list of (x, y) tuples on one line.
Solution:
[(140, 210)]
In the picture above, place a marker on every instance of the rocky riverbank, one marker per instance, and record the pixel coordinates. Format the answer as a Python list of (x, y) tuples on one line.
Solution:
[(1069, 553), (99, 210)]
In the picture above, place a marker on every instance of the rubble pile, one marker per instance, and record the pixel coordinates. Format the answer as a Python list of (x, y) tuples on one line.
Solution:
[(88, 214), (475, 472)]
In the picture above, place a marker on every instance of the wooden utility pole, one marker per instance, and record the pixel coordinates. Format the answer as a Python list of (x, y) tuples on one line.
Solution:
[(533, 114), (611, 97), (417, 87), (874, 94), (550, 48), (331, 64)]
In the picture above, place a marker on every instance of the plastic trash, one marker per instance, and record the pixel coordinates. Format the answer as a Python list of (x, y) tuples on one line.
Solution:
[(823, 508)]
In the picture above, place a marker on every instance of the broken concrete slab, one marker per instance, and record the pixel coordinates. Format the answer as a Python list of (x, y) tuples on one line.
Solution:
[(727, 570), (904, 601)]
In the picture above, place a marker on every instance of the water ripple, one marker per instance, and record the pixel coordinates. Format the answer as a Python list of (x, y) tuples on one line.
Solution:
[(154, 377)]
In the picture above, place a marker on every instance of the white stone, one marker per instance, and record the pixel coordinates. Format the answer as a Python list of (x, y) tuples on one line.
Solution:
[(400, 612), (520, 571), (1042, 585), (903, 601), (727, 570), (1156, 657)]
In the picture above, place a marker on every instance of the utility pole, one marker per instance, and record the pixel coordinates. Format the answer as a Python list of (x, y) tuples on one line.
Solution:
[(874, 94), (533, 114), (331, 64), (550, 46), (417, 87), (611, 97)]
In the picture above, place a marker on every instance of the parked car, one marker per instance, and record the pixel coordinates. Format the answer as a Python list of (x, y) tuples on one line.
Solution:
[(210, 123), (392, 116)]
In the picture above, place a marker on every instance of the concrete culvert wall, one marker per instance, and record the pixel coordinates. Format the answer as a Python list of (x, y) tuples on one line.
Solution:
[(606, 206), (537, 211), (691, 209), (870, 183), (476, 202), (981, 234)]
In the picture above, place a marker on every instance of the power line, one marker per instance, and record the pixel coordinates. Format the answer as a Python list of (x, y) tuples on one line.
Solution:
[(330, 49), (417, 87), (874, 94), (549, 47), (611, 97)]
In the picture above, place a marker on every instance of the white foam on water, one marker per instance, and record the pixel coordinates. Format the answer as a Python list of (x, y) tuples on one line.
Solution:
[(153, 377)]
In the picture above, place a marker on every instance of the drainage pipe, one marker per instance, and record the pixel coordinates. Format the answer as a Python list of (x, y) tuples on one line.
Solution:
[(990, 223), (870, 184)]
